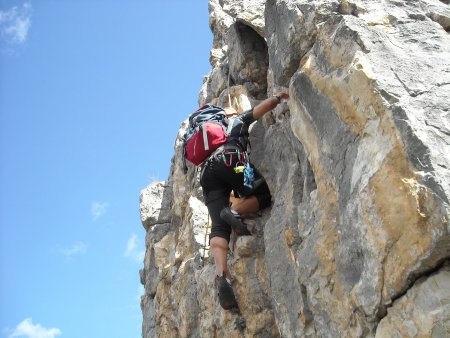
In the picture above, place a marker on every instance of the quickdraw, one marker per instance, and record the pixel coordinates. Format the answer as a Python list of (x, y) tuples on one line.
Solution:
[(224, 159), (242, 165), (242, 157)]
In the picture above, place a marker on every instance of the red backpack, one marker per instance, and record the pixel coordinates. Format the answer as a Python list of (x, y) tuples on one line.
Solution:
[(206, 132)]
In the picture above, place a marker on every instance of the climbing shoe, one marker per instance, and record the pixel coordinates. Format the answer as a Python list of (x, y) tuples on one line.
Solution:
[(226, 295), (234, 220)]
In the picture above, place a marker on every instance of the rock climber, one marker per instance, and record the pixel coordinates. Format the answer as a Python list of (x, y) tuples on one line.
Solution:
[(220, 175)]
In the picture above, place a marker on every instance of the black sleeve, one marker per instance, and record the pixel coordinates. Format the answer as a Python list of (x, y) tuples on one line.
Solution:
[(247, 117)]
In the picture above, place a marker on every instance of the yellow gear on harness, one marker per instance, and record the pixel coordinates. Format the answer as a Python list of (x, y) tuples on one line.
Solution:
[(239, 169)]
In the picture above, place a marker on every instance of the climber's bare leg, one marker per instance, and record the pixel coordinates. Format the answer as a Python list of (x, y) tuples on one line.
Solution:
[(219, 250)]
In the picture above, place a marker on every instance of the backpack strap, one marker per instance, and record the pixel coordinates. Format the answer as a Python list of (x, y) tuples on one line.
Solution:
[(185, 168), (205, 138), (230, 127)]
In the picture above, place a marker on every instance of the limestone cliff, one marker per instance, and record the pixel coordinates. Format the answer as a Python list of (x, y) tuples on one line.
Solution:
[(356, 242)]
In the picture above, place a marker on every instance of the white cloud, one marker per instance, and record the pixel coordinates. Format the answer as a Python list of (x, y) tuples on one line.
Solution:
[(132, 251), (77, 249), (15, 24), (98, 209), (26, 328)]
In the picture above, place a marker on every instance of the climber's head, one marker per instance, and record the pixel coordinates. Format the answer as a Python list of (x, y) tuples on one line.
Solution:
[(230, 111)]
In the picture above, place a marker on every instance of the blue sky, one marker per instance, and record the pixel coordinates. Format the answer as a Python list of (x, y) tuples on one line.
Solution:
[(92, 94)]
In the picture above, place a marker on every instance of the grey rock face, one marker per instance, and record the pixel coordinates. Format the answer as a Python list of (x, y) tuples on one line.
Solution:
[(247, 55), (423, 312), (357, 240), (291, 31)]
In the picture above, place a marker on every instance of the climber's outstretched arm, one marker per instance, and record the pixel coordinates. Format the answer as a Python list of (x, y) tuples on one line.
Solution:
[(268, 104)]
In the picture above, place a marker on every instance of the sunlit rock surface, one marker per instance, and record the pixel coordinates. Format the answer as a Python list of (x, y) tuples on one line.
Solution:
[(356, 242)]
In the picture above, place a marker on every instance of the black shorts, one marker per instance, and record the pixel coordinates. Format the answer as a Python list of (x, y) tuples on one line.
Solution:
[(218, 180)]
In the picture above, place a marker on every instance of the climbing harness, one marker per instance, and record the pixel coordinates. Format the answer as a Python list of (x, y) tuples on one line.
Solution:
[(242, 156), (242, 164)]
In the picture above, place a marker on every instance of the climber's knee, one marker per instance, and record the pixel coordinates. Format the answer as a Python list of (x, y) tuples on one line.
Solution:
[(219, 242), (263, 195), (264, 200)]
